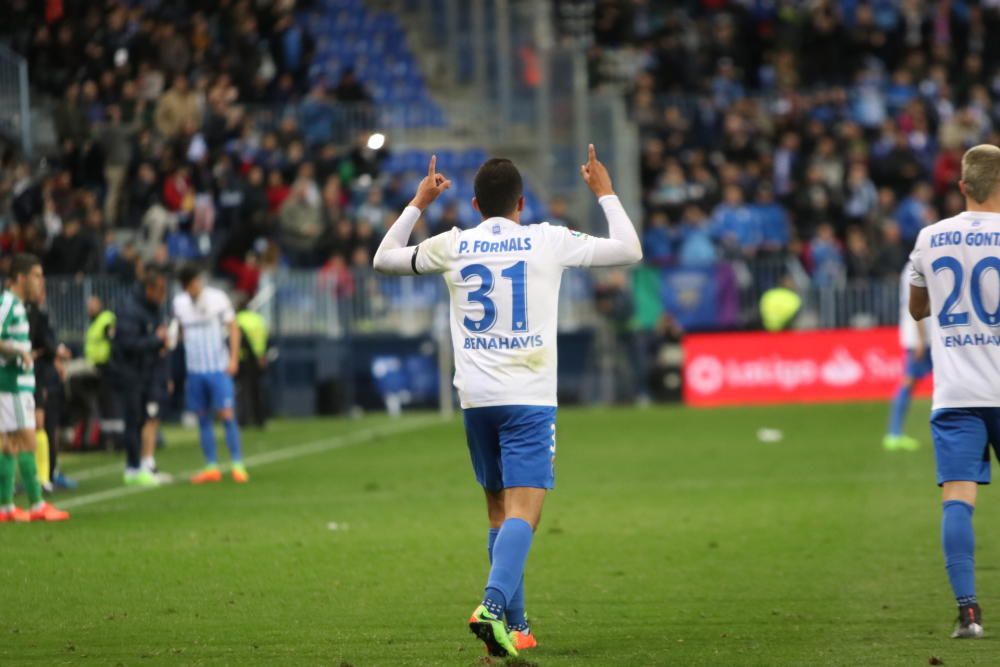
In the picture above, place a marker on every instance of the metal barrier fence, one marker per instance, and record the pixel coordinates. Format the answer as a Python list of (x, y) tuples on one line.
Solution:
[(15, 104), (310, 303)]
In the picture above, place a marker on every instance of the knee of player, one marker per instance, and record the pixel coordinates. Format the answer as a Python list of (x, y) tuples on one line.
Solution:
[(26, 441), (226, 414)]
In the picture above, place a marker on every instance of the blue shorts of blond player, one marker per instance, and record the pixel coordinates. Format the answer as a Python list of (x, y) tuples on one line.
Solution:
[(962, 440), (513, 450)]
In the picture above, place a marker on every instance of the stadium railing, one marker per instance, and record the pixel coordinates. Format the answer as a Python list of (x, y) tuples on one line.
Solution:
[(15, 101), (361, 302)]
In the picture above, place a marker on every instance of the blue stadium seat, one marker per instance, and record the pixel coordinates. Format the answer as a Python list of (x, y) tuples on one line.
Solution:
[(374, 43)]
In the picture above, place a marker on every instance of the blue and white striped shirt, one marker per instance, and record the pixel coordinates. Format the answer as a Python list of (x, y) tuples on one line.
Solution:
[(204, 322)]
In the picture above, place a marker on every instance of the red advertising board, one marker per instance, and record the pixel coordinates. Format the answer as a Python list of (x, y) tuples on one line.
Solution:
[(794, 367)]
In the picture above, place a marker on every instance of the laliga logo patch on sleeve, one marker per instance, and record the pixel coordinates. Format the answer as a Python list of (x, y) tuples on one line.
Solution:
[(579, 235)]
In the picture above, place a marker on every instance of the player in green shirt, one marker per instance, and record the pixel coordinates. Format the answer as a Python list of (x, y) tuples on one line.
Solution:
[(17, 396)]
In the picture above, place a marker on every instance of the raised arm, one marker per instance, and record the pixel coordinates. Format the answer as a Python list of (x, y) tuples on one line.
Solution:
[(622, 245), (394, 256)]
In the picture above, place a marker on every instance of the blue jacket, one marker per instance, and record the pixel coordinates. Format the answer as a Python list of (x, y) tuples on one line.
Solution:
[(135, 347)]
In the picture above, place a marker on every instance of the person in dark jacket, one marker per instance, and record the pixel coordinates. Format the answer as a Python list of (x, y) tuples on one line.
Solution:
[(50, 395), (140, 342)]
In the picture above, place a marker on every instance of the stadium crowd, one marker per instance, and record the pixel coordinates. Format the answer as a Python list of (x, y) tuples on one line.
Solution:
[(189, 131), (831, 130)]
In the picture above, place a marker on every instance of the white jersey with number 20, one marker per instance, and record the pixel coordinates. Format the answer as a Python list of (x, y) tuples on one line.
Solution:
[(503, 280), (958, 261)]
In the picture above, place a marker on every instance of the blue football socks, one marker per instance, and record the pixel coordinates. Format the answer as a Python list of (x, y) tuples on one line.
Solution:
[(233, 440), (959, 543), (515, 606), (897, 415), (206, 430), (510, 553)]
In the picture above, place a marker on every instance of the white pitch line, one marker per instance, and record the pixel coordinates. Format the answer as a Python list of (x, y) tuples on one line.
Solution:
[(95, 471), (265, 458)]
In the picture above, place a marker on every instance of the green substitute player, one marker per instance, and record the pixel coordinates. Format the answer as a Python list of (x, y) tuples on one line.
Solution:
[(17, 396)]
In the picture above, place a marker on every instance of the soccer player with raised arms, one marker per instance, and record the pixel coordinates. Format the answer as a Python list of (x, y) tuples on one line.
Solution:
[(955, 279), (503, 278)]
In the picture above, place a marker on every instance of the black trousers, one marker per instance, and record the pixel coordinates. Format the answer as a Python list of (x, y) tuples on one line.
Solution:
[(51, 399), (134, 400), (251, 399)]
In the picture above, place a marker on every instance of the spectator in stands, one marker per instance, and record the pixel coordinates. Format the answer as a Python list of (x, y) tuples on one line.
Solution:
[(734, 226), (301, 224), (914, 212), (659, 240), (349, 89), (73, 252), (177, 108), (697, 246), (861, 197), (826, 257), (772, 222), (859, 260)]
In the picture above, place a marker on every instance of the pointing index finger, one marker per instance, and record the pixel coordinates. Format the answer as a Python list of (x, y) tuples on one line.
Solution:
[(591, 153), (431, 167)]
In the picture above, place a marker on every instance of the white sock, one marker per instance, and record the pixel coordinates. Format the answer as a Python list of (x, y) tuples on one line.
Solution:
[(131, 472), (39, 505), (8, 508), (148, 463)]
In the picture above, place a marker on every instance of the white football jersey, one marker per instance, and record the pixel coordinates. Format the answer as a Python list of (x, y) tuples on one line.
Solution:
[(909, 335), (205, 325), (958, 261), (503, 279)]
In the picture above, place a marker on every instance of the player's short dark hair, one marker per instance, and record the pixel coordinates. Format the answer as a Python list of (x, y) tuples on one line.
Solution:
[(187, 274), (22, 264), (498, 187)]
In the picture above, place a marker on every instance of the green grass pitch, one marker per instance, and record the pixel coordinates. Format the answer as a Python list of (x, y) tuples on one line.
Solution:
[(674, 537)]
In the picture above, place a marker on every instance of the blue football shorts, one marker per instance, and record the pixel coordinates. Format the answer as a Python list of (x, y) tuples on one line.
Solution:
[(512, 445), (962, 439), (209, 392)]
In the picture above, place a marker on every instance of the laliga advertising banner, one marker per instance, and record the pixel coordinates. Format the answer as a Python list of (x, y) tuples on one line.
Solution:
[(793, 367)]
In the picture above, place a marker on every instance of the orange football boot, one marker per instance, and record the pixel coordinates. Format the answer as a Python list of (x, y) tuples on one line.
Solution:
[(46, 512), (522, 640), (240, 475), (207, 476), (16, 515)]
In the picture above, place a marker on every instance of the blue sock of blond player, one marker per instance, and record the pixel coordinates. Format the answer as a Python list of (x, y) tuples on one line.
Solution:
[(232, 430), (510, 553), (897, 415), (515, 606), (959, 544), (206, 430)]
